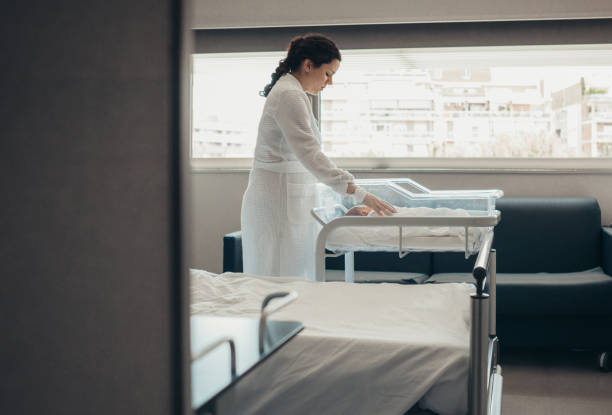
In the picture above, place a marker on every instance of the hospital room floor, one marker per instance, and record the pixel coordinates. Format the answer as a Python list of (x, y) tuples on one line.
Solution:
[(554, 382)]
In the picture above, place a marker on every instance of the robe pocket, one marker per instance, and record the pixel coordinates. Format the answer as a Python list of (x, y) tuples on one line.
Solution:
[(301, 198)]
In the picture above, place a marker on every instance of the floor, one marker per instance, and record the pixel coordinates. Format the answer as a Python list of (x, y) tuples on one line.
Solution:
[(554, 382)]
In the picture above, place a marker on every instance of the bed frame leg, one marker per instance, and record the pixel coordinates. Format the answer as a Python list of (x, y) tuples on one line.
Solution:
[(320, 255), (349, 266), (479, 347), (493, 293)]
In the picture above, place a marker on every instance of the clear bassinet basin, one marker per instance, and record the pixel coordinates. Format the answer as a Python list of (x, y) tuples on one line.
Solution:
[(427, 220)]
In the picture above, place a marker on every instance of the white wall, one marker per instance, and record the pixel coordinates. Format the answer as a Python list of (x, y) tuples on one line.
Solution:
[(216, 199), (276, 13)]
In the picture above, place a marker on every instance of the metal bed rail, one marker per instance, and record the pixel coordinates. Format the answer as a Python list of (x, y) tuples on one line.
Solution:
[(485, 379), (214, 345), (286, 297)]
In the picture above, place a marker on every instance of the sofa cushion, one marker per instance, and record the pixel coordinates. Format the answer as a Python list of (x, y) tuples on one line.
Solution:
[(548, 235), (547, 294), (538, 234), (556, 332)]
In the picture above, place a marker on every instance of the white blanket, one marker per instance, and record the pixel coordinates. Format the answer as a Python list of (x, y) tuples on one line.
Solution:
[(366, 348), (414, 238)]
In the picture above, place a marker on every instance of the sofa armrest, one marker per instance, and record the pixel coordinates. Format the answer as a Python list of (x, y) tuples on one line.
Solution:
[(232, 252), (606, 250)]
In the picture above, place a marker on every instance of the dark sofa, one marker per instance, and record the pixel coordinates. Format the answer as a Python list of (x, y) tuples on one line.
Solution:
[(554, 272)]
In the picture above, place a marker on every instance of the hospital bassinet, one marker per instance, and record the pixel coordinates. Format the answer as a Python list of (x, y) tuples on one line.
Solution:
[(447, 220), (427, 220)]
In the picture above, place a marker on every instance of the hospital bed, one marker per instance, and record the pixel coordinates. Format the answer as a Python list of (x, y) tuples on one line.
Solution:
[(459, 220), (365, 348)]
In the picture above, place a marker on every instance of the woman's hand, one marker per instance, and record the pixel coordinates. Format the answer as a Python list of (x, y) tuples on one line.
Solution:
[(379, 206)]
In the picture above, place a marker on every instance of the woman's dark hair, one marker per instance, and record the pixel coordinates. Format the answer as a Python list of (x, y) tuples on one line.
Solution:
[(316, 47)]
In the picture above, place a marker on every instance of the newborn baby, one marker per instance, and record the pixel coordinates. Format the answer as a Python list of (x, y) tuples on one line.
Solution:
[(387, 236), (359, 211)]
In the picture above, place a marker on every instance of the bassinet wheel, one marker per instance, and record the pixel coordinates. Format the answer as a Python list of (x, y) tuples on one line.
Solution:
[(604, 361)]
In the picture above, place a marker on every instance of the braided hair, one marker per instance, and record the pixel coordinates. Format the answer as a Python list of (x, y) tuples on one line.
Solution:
[(316, 47)]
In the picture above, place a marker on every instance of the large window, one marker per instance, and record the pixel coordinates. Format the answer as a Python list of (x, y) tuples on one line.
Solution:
[(226, 104), (474, 102)]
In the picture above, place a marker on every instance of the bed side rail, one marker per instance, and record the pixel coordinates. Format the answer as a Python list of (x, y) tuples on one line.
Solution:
[(485, 374), (481, 266), (216, 344), (285, 297)]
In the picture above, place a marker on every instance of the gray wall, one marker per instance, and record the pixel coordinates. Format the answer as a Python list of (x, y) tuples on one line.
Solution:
[(271, 13), (215, 216), (90, 253)]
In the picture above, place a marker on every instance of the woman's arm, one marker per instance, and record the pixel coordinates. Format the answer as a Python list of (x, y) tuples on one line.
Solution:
[(293, 118)]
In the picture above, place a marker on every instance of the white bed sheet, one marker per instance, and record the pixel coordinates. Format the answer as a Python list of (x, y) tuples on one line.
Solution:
[(365, 349)]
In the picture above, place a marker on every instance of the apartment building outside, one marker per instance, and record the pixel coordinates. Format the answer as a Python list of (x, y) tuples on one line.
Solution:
[(415, 112)]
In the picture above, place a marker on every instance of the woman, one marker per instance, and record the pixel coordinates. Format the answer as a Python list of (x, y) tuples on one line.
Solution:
[(278, 232)]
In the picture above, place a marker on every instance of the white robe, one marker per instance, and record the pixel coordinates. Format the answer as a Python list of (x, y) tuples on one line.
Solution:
[(278, 232)]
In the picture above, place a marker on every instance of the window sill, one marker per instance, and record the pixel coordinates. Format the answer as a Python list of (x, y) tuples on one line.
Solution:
[(433, 165)]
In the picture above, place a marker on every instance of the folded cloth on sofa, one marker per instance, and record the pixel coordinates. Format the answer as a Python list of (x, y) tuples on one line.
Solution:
[(366, 348), (378, 276)]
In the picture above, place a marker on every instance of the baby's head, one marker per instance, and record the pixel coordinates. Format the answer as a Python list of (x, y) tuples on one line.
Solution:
[(359, 211)]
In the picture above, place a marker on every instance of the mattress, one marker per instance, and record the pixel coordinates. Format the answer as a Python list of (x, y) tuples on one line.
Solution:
[(365, 349), (414, 238)]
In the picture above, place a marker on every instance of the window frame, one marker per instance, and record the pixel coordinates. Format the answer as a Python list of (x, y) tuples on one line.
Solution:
[(419, 35)]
